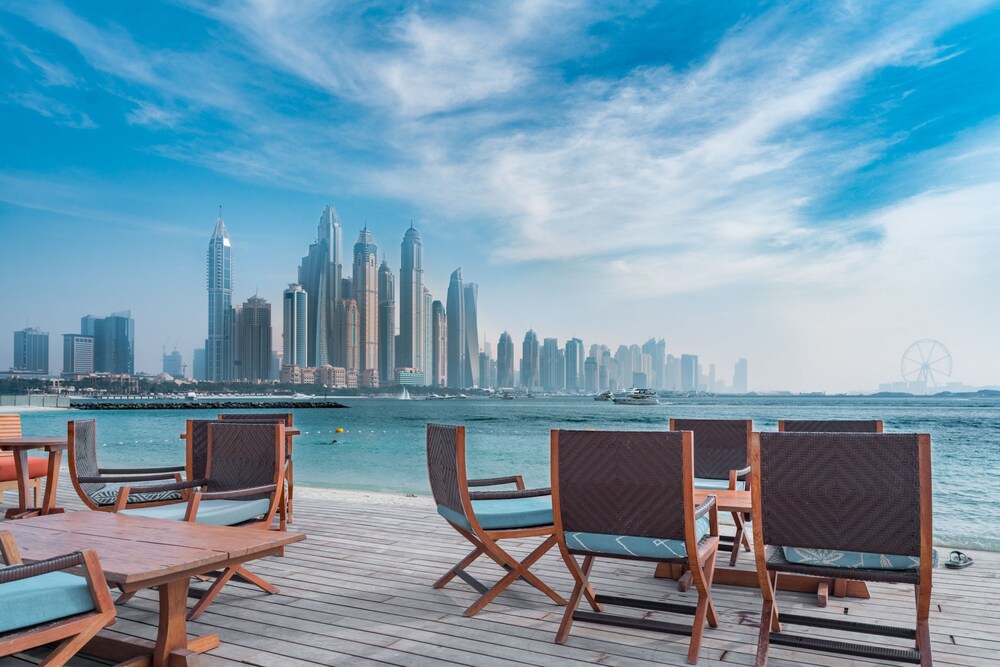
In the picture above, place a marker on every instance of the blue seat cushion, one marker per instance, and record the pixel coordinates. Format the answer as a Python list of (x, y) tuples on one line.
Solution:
[(108, 496), (630, 545), (211, 512), (505, 514), (41, 599), (715, 484), (850, 559)]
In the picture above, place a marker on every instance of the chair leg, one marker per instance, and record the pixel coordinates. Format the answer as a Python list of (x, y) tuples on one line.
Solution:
[(256, 580), (462, 564), (290, 477), (767, 614), (518, 570), (72, 645), (706, 608), (581, 587), (35, 491)]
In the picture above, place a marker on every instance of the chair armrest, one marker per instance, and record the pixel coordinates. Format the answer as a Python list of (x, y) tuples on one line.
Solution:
[(742, 472), (705, 507), (238, 493), (506, 495), (496, 481), (139, 471), (124, 478), (176, 486), (18, 572)]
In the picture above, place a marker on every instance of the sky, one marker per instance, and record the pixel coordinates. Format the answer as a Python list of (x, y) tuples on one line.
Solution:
[(811, 186)]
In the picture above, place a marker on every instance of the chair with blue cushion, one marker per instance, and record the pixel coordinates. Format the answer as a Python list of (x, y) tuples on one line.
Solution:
[(630, 495), (98, 487), (485, 517), (41, 604), (285, 509), (240, 485), (720, 462), (849, 506)]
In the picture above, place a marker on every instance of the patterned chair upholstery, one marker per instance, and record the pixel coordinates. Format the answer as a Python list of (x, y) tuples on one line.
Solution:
[(99, 488)]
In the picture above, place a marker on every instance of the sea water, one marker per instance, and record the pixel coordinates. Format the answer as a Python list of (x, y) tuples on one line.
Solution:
[(382, 444)]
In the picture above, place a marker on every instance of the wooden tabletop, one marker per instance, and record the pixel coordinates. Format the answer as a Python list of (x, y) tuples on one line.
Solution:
[(138, 552), (726, 500), (34, 442)]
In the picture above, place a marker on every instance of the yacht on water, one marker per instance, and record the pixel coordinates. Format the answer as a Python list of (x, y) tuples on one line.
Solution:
[(604, 396), (638, 397)]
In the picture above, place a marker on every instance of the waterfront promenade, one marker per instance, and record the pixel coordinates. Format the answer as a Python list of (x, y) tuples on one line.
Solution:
[(358, 592)]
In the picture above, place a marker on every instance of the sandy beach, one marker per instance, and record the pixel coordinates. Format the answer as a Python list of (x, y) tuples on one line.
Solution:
[(19, 409)]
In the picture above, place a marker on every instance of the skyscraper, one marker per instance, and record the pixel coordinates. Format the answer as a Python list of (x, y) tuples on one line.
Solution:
[(412, 315), (173, 364), (456, 332), (505, 361), (426, 314), (219, 344), (471, 292), (114, 342), (295, 326), (254, 337), (386, 323), (740, 377), (439, 348), (31, 351), (689, 372), (366, 294), (320, 274), (574, 364), (548, 366), (529, 361), (656, 349), (349, 333), (591, 374), (78, 354)]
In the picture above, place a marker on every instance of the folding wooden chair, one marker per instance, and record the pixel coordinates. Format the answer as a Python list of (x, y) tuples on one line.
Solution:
[(41, 604), (843, 506), (10, 427), (485, 517), (721, 462), (275, 418), (630, 495)]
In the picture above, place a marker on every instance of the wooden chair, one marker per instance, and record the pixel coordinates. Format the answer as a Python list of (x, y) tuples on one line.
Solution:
[(242, 478), (42, 604), (849, 506), (721, 455), (10, 427), (98, 487), (485, 517), (275, 418), (830, 426), (630, 494)]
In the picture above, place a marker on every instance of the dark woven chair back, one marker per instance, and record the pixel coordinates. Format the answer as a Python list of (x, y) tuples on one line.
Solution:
[(845, 491), (198, 428), (720, 445), (84, 434), (266, 417), (830, 426), (444, 445), (241, 456), (622, 483)]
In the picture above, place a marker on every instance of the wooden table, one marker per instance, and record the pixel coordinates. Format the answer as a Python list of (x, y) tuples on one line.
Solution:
[(139, 552), (55, 446), (728, 500)]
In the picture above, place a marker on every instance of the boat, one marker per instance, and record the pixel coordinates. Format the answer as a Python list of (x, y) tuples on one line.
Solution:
[(638, 397), (405, 396), (604, 396)]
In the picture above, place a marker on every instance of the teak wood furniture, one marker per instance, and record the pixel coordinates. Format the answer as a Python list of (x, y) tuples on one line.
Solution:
[(485, 517), (60, 609), (20, 447), (138, 553), (290, 433), (854, 505), (10, 427), (630, 495)]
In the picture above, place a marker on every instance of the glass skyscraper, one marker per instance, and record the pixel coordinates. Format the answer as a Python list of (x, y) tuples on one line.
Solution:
[(386, 324), (254, 338), (31, 351), (457, 361), (366, 294), (219, 344), (505, 361), (410, 351), (295, 306), (320, 274)]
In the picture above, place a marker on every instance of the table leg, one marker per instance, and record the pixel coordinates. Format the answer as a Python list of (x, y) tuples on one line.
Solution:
[(49, 503), (172, 647), (21, 471)]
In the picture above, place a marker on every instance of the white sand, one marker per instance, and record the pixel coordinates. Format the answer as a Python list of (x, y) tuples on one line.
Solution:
[(18, 409), (373, 497)]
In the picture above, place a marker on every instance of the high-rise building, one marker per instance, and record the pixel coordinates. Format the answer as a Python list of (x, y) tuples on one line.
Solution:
[(428, 325), (530, 378), (349, 325), (548, 366), (253, 333), (366, 295), (320, 274), (623, 357), (505, 361), (456, 332), (219, 344), (198, 365), (591, 374), (412, 315), (114, 342), (173, 364), (656, 349), (386, 323), (740, 377), (690, 375), (439, 350), (275, 366), (673, 373), (31, 351), (472, 332), (486, 370), (574, 364), (78, 354), (295, 326)]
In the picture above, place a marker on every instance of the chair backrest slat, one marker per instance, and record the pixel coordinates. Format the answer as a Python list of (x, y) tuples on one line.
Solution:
[(830, 425), (242, 456), (83, 443), (843, 491), (267, 417), (621, 482), (720, 445), (445, 446), (10, 426)]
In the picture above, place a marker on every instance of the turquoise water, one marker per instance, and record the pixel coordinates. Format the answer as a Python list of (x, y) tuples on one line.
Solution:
[(382, 447)]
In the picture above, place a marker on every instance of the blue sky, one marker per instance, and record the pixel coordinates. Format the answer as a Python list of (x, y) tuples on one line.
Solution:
[(812, 186)]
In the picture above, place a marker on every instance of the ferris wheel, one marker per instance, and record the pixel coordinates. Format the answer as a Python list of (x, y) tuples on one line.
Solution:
[(926, 361)]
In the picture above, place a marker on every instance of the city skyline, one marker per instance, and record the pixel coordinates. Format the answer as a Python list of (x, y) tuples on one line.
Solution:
[(610, 174)]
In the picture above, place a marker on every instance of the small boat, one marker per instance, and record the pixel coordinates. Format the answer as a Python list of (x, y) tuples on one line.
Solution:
[(604, 396), (638, 397), (405, 396)]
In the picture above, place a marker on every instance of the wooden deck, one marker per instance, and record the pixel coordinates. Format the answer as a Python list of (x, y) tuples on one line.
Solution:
[(358, 592)]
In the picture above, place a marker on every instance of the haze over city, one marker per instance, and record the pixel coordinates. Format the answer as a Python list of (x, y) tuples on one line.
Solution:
[(812, 188)]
